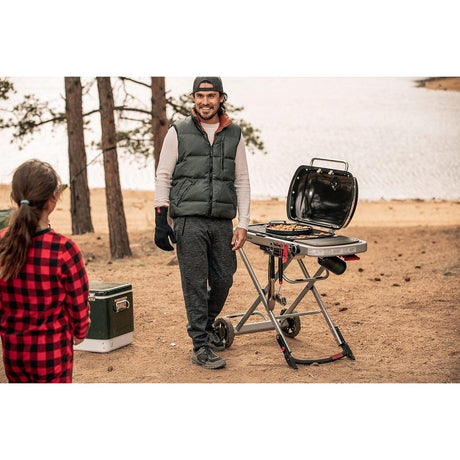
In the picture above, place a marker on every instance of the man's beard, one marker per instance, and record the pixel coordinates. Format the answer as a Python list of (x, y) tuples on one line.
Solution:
[(209, 116)]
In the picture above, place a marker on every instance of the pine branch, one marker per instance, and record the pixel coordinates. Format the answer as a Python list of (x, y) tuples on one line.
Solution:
[(134, 81)]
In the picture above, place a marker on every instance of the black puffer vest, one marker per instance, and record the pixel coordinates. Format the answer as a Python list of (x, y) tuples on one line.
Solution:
[(203, 181)]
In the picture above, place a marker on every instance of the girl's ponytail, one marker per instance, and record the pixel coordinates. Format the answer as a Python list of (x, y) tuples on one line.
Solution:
[(34, 183)]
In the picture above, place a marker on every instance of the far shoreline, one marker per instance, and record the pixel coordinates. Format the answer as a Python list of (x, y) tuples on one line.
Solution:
[(440, 83)]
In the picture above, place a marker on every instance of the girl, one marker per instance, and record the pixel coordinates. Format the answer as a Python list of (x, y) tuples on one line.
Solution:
[(44, 305)]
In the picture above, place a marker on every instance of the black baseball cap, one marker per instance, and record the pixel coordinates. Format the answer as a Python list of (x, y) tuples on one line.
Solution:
[(216, 83)]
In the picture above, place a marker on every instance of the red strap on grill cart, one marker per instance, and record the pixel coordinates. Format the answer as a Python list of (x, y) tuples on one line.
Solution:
[(350, 258), (285, 253)]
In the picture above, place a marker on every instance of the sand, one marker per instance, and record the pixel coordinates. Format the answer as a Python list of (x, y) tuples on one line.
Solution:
[(397, 307)]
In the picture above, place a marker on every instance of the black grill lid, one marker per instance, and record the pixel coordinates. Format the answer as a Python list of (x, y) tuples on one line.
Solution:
[(321, 196)]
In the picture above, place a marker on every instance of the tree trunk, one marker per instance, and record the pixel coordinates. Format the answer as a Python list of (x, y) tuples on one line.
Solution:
[(80, 209), (160, 128), (118, 235), (159, 119)]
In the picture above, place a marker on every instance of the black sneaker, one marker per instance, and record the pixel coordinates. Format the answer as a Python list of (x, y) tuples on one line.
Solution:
[(206, 358), (215, 342)]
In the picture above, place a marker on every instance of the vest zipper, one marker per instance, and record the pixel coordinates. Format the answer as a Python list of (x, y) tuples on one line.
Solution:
[(222, 150), (210, 170)]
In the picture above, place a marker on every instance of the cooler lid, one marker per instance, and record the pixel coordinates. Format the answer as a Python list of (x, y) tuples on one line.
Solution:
[(107, 288), (322, 196)]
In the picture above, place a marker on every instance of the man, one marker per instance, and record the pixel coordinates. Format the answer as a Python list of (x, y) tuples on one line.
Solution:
[(202, 177)]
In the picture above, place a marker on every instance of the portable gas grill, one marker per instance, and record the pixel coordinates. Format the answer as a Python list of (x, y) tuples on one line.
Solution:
[(320, 201)]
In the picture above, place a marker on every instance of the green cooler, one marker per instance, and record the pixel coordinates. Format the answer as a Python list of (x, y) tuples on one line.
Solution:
[(112, 322)]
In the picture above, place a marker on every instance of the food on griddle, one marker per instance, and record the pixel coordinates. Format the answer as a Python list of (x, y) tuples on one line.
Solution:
[(288, 227), (285, 228)]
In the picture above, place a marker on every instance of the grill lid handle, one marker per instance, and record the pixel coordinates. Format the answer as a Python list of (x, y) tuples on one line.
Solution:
[(327, 159)]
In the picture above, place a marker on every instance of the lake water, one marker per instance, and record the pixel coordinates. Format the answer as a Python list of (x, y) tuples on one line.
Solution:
[(400, 141)]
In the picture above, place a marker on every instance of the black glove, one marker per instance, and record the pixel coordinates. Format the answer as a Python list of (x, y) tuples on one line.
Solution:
[(163, 231)]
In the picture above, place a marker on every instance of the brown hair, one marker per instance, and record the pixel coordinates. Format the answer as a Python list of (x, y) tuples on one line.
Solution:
[(33, 184)]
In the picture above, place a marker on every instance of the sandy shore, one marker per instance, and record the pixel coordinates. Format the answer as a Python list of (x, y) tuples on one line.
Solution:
[(397, 307)]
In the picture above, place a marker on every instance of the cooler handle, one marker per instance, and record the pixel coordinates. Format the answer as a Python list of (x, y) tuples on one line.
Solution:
[(120, 305), (333, 161)]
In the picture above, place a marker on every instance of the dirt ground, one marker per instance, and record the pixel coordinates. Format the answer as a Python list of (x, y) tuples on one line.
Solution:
[(396, 307)]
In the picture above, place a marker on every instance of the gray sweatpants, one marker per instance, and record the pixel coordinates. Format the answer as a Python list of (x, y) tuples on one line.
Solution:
[(207, 264)]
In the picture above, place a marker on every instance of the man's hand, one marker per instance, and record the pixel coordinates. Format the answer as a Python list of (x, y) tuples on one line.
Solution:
[(163, 231), (239, 238)]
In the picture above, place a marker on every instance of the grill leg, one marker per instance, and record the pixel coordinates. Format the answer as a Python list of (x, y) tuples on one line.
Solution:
[(258, 287), (334, 329), (280, 337), (319, 301)]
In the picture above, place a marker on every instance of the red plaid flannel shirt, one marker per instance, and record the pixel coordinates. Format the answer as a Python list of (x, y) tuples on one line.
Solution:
[(42, 309)]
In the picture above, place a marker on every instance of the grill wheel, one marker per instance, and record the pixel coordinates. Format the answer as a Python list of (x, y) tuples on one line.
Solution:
[(290, 326), (224, 328)]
